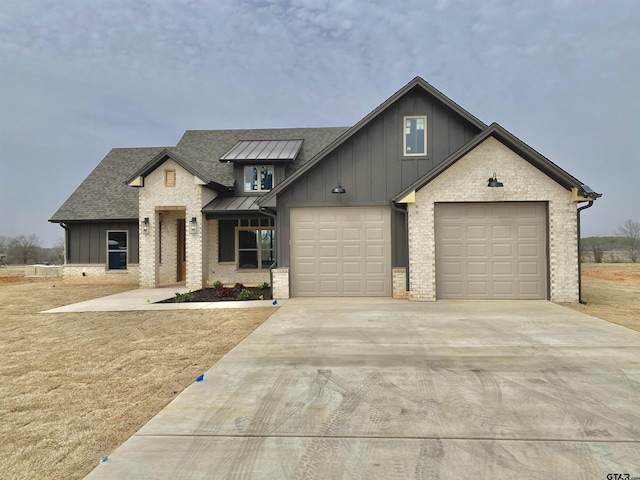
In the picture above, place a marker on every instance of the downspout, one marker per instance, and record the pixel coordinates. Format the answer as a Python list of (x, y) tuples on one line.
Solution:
[(266, 212), (588, 205), (66, 241), (405, 213)]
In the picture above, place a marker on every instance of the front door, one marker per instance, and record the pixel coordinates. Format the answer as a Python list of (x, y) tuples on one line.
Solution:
[(182, 251)]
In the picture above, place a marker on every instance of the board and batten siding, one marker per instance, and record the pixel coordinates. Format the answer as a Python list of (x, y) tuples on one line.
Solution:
[(87, 242), (370, 165)]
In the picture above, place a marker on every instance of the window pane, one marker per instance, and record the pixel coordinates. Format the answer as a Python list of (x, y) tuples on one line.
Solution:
[(250, 179), (248, 259), (248, 239), (267, 258), (117, 240), (267, 238), (266, 178), (117, 260)]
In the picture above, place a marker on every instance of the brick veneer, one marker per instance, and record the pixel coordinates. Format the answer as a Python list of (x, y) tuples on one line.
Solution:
[(184, 200), (466, 181)]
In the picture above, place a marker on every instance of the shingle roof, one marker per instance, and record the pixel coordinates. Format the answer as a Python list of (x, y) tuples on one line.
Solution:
[(104, 195), (205, 147)]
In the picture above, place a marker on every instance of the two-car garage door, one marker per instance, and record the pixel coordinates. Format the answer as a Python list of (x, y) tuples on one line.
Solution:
[(340, 251), (491, 250)]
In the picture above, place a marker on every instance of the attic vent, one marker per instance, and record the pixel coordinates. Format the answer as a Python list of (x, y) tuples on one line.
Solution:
[(169, 178)]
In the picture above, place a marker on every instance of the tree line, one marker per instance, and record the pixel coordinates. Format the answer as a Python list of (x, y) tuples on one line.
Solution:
[(625, 247), (28, 249)]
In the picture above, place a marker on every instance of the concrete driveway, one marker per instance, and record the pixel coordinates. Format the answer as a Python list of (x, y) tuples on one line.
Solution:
[(388, 389)]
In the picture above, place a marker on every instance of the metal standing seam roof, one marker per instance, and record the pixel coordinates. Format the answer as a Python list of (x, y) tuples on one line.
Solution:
[(272, 150), (226, 205)]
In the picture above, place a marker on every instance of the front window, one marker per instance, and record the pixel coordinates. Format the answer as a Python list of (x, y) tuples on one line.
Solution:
[(117, 250), (415, 135), (258, 178), (256, 247)]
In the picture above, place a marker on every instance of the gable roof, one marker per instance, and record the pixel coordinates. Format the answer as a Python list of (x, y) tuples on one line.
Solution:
[(166, 154), (103, 195), (532, 156), (417, 82)]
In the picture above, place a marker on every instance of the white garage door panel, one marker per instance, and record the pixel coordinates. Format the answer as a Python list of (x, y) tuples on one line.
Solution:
[(341, 251), (491, 250)]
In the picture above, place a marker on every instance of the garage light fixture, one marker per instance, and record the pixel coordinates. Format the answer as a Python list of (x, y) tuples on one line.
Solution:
[(339, 189), (145, 226), (193, 226), (493, 181)]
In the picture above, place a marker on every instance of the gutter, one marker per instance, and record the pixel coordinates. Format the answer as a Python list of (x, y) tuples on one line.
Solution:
[(405, 213), (580, 300), (268, 213)]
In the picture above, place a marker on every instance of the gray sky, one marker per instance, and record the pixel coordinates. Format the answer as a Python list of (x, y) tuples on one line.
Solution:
[(79, 77)]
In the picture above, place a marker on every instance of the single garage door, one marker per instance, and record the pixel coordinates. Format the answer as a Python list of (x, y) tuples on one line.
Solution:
[(491, 250), (340, 251)]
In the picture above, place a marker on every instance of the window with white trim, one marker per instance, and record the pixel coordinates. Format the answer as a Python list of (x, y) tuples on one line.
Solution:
[(258, 178), (256, 246), (415, 135), (117, 252)]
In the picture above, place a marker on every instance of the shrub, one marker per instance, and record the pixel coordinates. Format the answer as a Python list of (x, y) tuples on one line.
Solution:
[(185, 297), (244, 294), (238, 286), (218, 284), (263, 286), (225, 292)]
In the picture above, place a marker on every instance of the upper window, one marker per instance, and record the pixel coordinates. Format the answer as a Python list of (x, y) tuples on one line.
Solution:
[(117, 250), (258, 178), (415, 135)]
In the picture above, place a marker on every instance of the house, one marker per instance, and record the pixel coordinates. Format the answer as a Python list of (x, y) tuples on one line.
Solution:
[(419, 200)]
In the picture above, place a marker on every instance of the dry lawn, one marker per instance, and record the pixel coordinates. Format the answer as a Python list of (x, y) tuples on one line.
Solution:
[(77, 385), (612, 292)]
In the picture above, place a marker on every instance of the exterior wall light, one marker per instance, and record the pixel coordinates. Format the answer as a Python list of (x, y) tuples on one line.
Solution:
[(193, 226), (145, 226), (339, 189), (493, 181)]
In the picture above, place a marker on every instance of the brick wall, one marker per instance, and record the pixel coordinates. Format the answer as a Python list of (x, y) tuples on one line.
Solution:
[(466, 181), (184, 200), (227, 272), (89, 274)]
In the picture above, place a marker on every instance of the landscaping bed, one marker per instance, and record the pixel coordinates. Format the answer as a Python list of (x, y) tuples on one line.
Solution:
[(221, 293)]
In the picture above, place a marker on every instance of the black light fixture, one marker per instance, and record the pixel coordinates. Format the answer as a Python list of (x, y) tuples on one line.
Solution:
[(193, 226), (145, 226), (339, 189), (493, 181)]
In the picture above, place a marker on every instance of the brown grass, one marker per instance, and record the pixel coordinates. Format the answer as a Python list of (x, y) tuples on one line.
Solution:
[(77, 385), (612, 293)]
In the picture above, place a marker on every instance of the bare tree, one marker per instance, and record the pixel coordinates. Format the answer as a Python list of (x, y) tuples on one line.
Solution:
[(630, 232), (24, 248)]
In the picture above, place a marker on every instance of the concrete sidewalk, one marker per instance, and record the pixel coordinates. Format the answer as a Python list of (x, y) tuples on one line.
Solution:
[(386, 389), (145, 298)]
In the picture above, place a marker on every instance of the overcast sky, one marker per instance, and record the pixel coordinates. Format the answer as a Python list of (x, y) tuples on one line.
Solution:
[(79, 77)]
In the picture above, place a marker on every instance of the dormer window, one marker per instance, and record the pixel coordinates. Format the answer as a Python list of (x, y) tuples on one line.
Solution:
[(415, 135), (258, 178)]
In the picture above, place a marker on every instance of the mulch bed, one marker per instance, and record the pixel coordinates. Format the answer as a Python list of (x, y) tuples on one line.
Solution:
[(227, 295)]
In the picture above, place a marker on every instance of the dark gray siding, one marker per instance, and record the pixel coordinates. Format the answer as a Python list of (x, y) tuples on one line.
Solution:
[(87, 242), (371, 167)]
